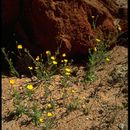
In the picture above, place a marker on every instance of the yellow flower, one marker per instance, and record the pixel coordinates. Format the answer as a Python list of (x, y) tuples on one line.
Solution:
[(54, 62), (67, 73), (30, 86), (68, 70), (95, 49), (62, 61), (49, 114), (30, 68), (98, 40), (107, 59), (37, 58), (65, 60), (119, 28), (41, 120), (53, 57), (19, 46), (49, 106), (72, 91), (48, 52), (63, 55), (11, 81), (93, 17)]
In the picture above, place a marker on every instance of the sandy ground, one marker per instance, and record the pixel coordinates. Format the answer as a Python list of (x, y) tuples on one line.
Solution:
[(106, 99)]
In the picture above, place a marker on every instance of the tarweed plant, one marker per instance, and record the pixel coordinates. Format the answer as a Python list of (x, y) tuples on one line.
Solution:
[(20, 109), (13, 71), (29, 90), (74, 105), (94, 20), (97, 56), (36, 114)]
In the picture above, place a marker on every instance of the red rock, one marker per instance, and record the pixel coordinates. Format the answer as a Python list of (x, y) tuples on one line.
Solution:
[(10, 12), (47, 24)]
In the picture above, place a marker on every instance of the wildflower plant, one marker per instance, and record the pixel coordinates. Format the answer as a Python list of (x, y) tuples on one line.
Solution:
[(37, 58), (20, 109), (97, 56), (19, 48), (36, 63), (49, 123), (85, 109), (90, 74), (51, 105), (29, 90), (101, 53), (41, 70), (74, 105), (16, 96), (66, 76), (13, 71), (47, 91), (94, 20), (36, 114), (64, 94)]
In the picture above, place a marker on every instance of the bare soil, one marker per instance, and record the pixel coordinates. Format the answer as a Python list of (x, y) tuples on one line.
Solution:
[(106, 99)]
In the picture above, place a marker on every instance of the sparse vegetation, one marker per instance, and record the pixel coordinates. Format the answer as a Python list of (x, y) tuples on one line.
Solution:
[(36, 100)]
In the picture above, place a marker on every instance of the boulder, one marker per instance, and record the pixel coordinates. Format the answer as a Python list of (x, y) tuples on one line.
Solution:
[(67, 24)]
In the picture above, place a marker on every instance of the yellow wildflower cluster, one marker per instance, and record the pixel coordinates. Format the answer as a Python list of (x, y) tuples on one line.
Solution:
[(67, 71), (64, 60)]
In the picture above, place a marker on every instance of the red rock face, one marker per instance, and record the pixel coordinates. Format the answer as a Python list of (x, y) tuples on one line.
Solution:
[(10, 11), (58, 23), (47, 24)]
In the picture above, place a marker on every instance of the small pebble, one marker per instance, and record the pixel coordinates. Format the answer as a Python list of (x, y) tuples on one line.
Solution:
[(121, 126)]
